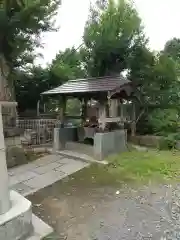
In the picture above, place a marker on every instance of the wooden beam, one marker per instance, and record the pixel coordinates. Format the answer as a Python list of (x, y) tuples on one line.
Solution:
[(8, 104), (110, 119)]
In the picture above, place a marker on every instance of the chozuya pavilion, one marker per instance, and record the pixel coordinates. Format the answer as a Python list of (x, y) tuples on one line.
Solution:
[(105, 126)]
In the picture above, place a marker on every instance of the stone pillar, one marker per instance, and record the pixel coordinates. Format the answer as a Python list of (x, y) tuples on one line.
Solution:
[(60, 139), (4, 185), (16, 219), (56, 143)]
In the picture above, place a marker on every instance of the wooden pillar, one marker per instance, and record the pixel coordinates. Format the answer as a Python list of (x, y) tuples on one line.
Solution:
[(133, 123), (122, 112), (102, 114), (62, 133), (38, 105), (114, 111), (63, 111), (107, 108), (84, 102)]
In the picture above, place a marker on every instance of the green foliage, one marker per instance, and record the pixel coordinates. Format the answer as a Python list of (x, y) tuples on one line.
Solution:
[(21, 23), (164, 121), (156, 76), (158, 88), (110, 34), (30, 84), (172, 48), (68, 65), (169, 141)]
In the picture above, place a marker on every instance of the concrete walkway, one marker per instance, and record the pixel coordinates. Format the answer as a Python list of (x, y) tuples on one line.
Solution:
[(29, 178)]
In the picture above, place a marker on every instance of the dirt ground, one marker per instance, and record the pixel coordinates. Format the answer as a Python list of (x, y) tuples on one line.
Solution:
[(79, 213)]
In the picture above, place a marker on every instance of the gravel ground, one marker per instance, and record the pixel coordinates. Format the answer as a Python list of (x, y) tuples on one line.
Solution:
[(108, 213)]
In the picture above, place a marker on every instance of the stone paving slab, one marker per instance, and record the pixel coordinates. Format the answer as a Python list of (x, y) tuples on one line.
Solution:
[(80, 156), (21, 177), (45, 179), (29, 178), (66, 160), (47, 160), (21, 188), (46, 168), (21, 169), (71, 168)]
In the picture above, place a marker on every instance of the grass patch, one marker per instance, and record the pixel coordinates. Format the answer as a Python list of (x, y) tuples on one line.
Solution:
[(146, 166), (131, 167)]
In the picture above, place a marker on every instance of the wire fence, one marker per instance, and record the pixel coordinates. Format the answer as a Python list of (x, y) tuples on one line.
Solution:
[(37, 131)]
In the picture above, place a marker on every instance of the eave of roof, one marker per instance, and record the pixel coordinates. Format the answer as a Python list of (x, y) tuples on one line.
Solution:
[(89, 85)]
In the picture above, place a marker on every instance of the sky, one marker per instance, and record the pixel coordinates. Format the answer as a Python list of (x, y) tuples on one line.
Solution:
[(161, 19)]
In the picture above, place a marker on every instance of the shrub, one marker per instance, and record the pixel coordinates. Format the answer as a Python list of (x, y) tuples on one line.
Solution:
[(169, 141), (164, 121)]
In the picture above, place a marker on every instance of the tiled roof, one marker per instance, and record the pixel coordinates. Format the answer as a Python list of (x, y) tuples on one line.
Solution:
[(89, 85)]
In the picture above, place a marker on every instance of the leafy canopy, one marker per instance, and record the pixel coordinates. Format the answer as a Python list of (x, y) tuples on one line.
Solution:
[(31, 83), (110, 34), (21, 24), (68, 65)]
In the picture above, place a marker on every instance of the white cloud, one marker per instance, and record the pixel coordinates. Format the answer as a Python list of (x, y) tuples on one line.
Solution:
[(161, 19)]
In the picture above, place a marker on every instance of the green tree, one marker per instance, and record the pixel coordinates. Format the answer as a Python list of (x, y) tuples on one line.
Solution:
[(109, 37), (156, 76), (169, 124), (158, 85), (21, 24), (68, 65), (29, 84), (172, 48)]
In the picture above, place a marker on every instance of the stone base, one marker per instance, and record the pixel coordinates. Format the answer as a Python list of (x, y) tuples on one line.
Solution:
[(62, 136), (41, 229), (17, 223), (109, 143), (146, 140)]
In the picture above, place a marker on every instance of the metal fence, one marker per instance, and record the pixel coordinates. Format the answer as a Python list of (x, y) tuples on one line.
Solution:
[(37, 131)]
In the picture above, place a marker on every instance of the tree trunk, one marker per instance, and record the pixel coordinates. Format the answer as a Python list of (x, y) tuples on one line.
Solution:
[(6, 93)]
